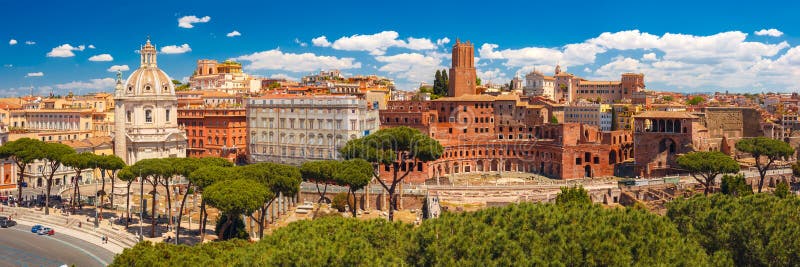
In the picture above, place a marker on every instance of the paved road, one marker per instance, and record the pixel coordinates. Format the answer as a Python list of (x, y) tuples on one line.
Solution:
[(20, 247)]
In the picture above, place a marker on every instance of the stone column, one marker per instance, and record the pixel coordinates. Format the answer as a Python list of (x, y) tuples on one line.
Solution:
[(366, 197), (400, 200)]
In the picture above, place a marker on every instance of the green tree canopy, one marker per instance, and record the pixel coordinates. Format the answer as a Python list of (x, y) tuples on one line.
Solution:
[(754, 230), (517, 235), (695, 100), (707, 165), (54, 154), (355, 174), (23, 152), (400, 149), (236, 197), (765, 151), (573, 195), (320, 172), (735, 185)]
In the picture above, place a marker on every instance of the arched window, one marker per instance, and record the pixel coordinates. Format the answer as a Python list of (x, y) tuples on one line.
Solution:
[(148, 116)]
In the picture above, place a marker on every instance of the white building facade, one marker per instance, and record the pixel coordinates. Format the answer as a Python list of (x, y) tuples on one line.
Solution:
[(537, 84), (294, 129), (146, 117)]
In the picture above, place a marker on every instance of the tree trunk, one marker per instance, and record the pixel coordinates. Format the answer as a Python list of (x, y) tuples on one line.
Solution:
[(391, 204), (228, 222), (203, 217), (180, 213), (47, 197), (128, 205), (20, 180), (103, 198), (153, 218), (322, 193), (75, 201), (111, 198), (169, 202), (78, 190), (262, 216), (353, 208)]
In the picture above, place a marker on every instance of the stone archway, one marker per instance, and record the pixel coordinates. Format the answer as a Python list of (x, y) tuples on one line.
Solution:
[(479, 165), (587, 171)]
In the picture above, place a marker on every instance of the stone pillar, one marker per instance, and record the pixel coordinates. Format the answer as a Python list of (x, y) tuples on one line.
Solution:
[(272, 209), (366, 197), (281, 208), (400, 198)]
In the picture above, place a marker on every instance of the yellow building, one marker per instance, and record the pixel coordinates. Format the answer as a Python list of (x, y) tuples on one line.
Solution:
[(623, 114)]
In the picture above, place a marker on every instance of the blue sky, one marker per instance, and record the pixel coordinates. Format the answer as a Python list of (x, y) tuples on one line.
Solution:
[(682, 46)]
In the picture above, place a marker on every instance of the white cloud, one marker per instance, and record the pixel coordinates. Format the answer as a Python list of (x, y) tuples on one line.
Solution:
[(282, 76), (725, 59), (297, 41), (116, 68), (649, 57), (12, 42), (93, 84), (234, 34), (414, 67), (187, 21), (65, 50), (8, 65), (492, 76), (442, 41), (377, 44), (277, 60), (101, 57), (174, 49), (487, 51), (91, 46), (35, 74), (419, 44), (321, 41), (30, 42), (771, 32)]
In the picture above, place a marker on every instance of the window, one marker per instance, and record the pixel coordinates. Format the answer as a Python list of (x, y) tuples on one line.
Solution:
[(127, 115), (167, 115), (148, 116)]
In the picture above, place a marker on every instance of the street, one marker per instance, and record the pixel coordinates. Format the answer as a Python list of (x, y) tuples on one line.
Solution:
[(20, 247)]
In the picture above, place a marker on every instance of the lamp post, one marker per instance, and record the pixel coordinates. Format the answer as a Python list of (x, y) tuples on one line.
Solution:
[(141, 204), (96, 223)]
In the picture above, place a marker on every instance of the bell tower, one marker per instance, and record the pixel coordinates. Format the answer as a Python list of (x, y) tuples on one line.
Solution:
[(462, 70)]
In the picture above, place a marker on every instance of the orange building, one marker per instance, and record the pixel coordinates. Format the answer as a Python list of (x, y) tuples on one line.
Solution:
[(462, 70), (483, 133), (215, 131)]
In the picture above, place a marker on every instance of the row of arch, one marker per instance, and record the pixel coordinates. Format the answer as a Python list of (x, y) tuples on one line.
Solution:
[(495, 165), (318, 139)]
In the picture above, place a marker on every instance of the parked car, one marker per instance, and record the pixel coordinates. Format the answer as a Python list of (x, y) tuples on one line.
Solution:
[(5, 222), (35, 229), (47, 231)]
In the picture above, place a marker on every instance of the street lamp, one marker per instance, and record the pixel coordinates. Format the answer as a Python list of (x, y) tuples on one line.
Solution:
[(141, 204), (96, 223)]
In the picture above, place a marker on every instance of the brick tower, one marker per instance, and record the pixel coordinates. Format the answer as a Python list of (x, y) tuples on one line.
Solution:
[(462, 70)]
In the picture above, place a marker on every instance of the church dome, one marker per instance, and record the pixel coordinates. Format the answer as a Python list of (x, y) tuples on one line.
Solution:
[(149, 80)]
